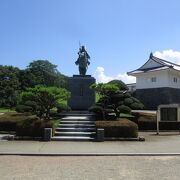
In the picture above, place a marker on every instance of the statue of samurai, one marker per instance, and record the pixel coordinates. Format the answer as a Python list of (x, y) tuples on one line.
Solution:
[(82, 60)]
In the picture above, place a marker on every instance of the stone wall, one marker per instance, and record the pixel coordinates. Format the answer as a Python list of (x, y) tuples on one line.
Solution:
[(153, 97)]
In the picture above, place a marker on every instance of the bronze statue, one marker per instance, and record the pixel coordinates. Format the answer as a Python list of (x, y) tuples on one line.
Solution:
[(82, 60)]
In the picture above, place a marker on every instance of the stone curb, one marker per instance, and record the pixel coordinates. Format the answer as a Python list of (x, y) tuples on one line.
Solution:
[(88, 154), (140, 138)]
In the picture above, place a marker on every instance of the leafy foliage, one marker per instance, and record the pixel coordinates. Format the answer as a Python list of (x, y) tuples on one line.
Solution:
[(121, 85), (46, 73), (45, 97), (23, 108), (13, 80), (98, 110), (62, 107), (124, 109), (9, 86), (113, 100)]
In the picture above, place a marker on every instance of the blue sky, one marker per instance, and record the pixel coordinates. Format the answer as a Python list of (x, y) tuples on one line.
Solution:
[(118, 34)]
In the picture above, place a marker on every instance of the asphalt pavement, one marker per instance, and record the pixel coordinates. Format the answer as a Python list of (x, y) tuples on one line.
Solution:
[(165, 143), (89, 168)]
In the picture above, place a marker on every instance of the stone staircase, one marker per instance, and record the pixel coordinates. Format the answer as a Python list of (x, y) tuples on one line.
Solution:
[(76, 125)]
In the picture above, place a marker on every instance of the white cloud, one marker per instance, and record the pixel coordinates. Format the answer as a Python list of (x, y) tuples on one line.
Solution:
[(169, 55), (102, 77)]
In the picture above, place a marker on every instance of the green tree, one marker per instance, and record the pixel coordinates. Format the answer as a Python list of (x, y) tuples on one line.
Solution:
[(46, 73), (9, 86), (112, 99), (45, 97), (27, 79), (121, 85)]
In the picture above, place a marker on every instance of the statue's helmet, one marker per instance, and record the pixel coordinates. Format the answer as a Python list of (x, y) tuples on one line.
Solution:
[(83, 48)]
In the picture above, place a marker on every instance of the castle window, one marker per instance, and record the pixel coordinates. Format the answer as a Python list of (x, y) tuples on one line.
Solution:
[(175, 79), (153, 79)]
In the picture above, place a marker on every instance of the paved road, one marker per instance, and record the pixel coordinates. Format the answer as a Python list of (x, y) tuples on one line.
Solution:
[(164, 143), (89, 168)]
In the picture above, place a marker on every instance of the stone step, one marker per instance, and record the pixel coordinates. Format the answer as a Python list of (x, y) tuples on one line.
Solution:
[(77, 112), (71, 138), (76, 122), (76, 125), (77, 119), (73, 133), (76, 129)]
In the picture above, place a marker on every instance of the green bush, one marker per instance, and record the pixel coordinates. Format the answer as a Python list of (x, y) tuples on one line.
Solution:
[(127, 95), (62, 107), (118, 128), (121, 85), (136, 105), (124, 109), (98, 110), (23, 108), (135, 99), (8, 121), (121, 103), (128, 101), (33, 127), (147, 121), (31, 104)]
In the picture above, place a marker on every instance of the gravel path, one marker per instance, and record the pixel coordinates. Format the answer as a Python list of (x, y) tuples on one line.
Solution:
[(89, 168)]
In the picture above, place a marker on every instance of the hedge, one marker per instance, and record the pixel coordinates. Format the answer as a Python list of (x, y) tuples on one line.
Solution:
[(34, 127), (8, 121), (25, 124), (119, 128), (146, 121)]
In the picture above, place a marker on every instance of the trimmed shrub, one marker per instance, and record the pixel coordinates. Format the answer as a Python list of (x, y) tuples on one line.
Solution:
[(136, 105), (31, 104), (62, 107), (128, 101), (121, 85), (135, 99), (119, 128), (147, 121), (121, 103), (33, 127), (23, 108), (8, 121), (124, 109), (98, 110), (127, 95)]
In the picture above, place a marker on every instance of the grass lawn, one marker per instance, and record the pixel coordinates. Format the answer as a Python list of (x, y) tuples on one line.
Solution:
[(123, 115), (126, 115), (3, 110)]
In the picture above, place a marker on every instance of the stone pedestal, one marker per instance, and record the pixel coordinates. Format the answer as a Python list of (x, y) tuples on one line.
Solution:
[(100, 135), (82, 97), (47, 134)]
